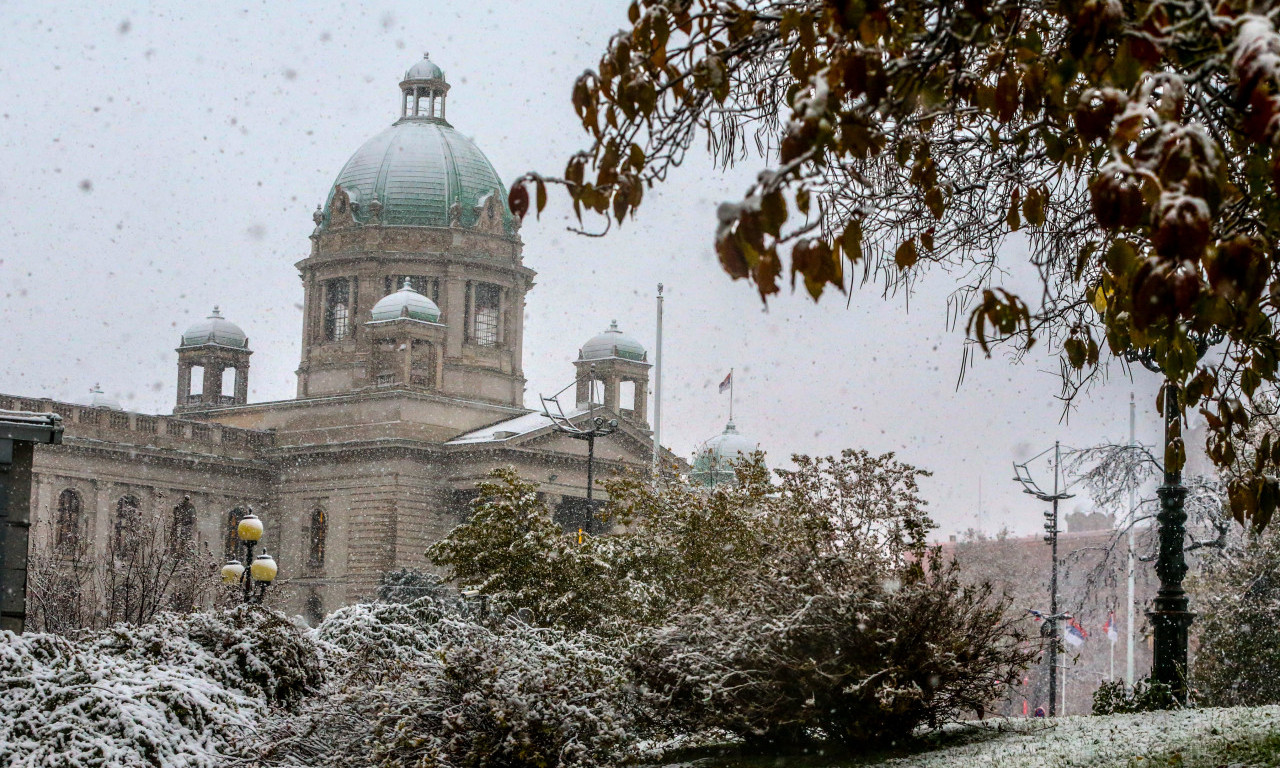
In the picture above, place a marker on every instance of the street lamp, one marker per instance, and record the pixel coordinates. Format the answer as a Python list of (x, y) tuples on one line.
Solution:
[(1029, 486), (262, 569), (1171, 618), (596, 426)]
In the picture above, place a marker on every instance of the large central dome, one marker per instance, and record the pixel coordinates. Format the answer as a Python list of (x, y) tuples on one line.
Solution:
[(420, 167)]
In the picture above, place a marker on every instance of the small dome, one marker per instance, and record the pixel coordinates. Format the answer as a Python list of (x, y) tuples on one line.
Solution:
[(406, 302), (424, 70), (612, 343), (215, 329), (102, 400), (713, 460)]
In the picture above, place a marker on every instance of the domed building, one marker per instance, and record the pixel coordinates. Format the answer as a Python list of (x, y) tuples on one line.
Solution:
[(714, 460), (410, 387)]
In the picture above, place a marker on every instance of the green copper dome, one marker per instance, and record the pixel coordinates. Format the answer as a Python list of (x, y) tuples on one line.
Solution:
[(417, 170)]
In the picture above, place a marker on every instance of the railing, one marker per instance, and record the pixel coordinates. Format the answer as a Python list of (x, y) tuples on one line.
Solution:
[(85, 420)]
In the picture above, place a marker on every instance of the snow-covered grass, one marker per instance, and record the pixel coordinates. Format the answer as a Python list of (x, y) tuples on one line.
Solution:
[(1241, 737)]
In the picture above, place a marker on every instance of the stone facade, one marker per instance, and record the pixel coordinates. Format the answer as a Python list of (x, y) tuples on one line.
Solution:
[(395, 420)]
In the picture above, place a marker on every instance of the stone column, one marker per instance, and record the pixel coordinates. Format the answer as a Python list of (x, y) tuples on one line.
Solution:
[(242, 384), (212, 382), (611, 385), (98, 516), (184, 382), (642, 401), (455, 297)]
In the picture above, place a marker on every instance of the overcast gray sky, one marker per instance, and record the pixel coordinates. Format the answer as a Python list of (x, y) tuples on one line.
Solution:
[(160, 160)]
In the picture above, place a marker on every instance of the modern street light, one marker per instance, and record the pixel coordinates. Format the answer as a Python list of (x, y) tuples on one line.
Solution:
[(1023, 475), (262, 569), (1171, 618), (596, 426)]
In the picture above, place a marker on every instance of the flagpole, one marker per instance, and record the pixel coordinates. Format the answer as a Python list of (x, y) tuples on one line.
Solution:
[(730, 394), (1128, 676), (657, 392)]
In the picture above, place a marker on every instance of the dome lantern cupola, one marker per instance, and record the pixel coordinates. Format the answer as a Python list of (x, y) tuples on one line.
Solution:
[(209, 349), (423, 91), (620, 365)]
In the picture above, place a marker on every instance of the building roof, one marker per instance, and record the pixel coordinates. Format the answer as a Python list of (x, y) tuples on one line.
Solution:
[(424, 70), (417, 170), (713, 460), (612, 343), (406, 302), (215, 329), (511, 428)]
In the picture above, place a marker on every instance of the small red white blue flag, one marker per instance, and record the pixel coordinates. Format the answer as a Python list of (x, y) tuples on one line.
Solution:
[(1038, 616), (728, 382), (1076, 635), (1110, 627)]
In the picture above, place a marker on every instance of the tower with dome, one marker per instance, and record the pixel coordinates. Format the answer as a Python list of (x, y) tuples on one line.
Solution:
[(410, 387)]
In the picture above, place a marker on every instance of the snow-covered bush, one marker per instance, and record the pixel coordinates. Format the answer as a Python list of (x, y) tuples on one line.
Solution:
[(859, 657), (182, 691), (420, 684), (250, 648), (408, 585), (520, 696), (1238, 599), (385, 631)]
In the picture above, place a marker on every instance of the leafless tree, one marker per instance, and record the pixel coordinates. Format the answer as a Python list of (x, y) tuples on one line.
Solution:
[(150, 564)]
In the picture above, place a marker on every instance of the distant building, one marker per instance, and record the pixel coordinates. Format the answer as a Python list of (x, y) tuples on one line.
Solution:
[(1092, 584), (410, 387)]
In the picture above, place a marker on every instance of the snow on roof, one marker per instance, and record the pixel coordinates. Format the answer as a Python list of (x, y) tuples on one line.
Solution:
[(505, 430)]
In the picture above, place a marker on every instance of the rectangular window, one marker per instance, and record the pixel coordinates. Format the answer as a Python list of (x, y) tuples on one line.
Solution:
[(487, 309), (337, 299)]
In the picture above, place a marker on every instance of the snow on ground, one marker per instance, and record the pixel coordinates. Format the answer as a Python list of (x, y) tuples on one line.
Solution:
[(1209, 737)]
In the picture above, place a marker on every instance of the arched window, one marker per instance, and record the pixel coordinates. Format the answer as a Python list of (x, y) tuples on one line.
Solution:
[(319, 532), (183, 532), (232, 541), (128, 527), (67, 526)]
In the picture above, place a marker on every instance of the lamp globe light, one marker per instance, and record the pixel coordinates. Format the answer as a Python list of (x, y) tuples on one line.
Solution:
[(232, 571), (263, 568), (249, 528)]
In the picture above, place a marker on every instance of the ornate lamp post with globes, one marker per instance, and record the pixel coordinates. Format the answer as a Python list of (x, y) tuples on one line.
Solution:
[(261, 570)]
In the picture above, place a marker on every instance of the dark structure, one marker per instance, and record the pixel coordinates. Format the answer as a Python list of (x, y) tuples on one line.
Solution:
[(19, 432)]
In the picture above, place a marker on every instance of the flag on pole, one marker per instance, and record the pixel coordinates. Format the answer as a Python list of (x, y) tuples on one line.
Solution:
[(728, 382), (1076, 634), (1037, 615), (1110, 627)]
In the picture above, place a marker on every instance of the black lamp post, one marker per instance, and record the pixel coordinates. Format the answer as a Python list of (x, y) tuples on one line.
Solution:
[(262, 569), (1171, 618)]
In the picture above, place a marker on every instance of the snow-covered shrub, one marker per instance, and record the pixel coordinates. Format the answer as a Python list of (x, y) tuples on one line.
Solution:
[(250, 648), (409, 585), (385, 631), (1116, 698), (860, 657), (515, 554), (519, 696), (74, 706), (417, 686), (1238, 599)]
